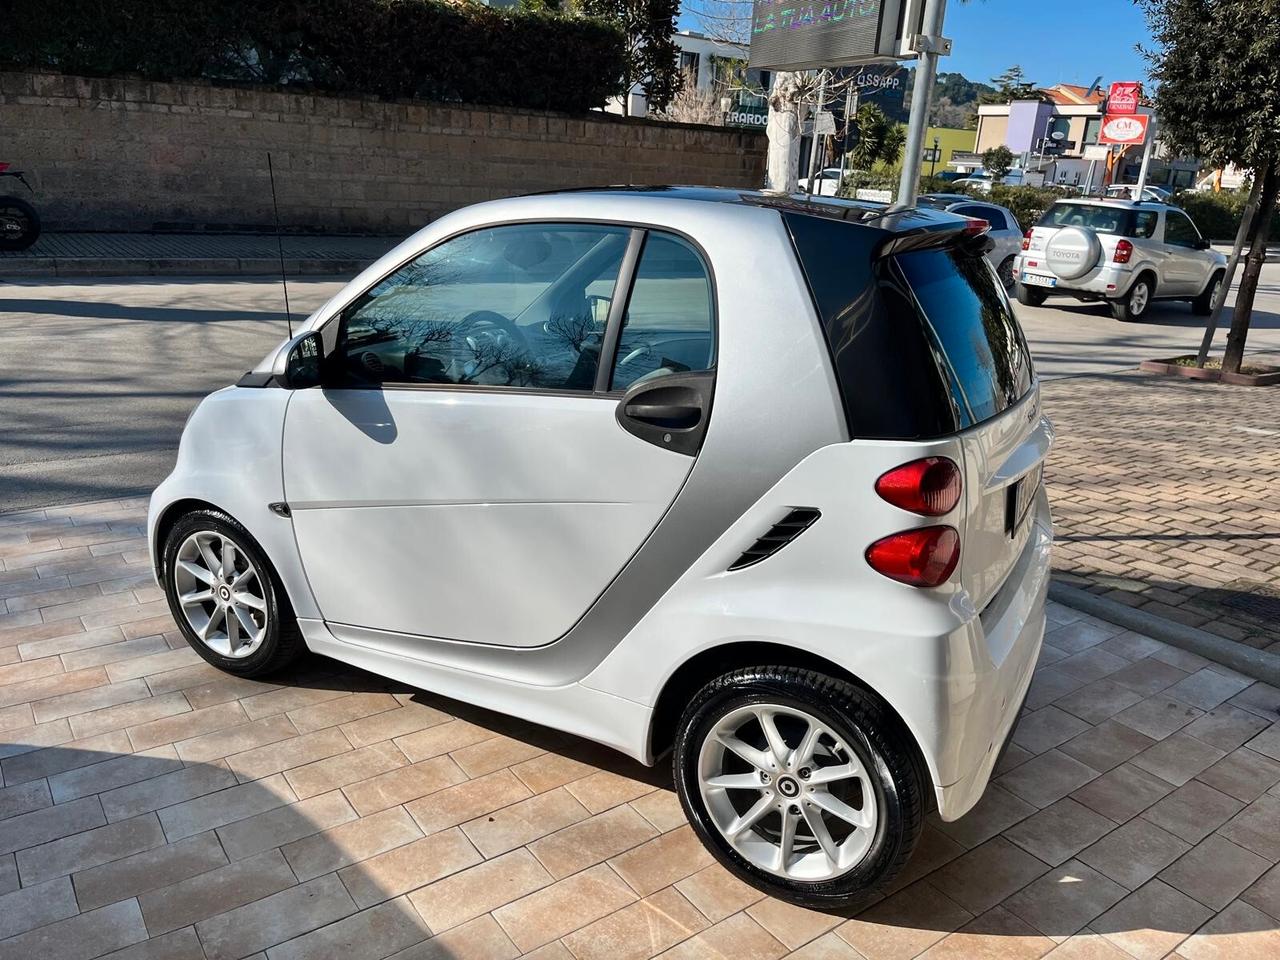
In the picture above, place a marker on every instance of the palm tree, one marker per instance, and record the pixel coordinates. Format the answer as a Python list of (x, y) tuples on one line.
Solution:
[(880, 140)]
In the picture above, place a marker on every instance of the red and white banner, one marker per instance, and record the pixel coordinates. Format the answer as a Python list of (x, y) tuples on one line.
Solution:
[(1123, 98), (1126, 130)]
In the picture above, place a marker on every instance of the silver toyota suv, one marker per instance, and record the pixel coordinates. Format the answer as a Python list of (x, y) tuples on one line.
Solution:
[(1121, 251)]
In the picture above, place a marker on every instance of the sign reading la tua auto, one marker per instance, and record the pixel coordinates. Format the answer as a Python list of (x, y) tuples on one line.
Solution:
[(808, 34)]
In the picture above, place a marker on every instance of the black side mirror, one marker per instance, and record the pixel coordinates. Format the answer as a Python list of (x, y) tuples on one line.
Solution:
[(302, 368), (1202, 244)]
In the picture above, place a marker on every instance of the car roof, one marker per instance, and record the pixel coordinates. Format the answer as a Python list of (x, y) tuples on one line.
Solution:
[(1116, 202)]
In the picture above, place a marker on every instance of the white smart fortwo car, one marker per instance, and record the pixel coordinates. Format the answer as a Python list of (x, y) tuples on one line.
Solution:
[(749, 479)]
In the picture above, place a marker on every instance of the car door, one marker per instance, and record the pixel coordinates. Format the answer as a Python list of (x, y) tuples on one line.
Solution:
[(1188, 265), (505, 419)]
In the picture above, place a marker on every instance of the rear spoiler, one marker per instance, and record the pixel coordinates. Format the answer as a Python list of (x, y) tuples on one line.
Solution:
[(971, 236)]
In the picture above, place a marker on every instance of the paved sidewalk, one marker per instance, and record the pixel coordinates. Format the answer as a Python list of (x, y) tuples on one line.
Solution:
[(1165, 497), (190, 254), (153, 805)]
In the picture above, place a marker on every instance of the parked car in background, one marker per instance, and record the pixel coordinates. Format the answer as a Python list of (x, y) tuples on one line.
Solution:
[(825, 184), (1005, 232), (1124, 191), (753, 481), (982, 184), (1125, 253)]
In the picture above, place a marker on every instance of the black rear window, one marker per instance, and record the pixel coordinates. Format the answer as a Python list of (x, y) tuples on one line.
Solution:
[(923, 343), (1099, 219)]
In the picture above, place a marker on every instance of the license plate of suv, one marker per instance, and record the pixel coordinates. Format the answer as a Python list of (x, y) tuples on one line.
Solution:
[(1022, 494), (1036, 280)]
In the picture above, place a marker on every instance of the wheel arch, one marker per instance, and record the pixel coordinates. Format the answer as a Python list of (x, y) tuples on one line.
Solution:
[(707, 664), (170, 515)]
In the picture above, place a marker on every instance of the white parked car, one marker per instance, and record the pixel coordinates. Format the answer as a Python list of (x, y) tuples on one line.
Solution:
[(732, 477), (1004, 231), (1125, 253), (1122, 191), (825, 183), (981, 184)]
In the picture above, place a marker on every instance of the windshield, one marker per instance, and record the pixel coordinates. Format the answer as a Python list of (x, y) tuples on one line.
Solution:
[(1114, 220)]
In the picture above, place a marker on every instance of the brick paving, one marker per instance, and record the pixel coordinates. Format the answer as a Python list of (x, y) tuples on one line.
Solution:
[(193, 246), (1165, 498), (152, 807)]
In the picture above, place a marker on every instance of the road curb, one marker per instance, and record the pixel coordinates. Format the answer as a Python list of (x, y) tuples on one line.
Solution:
[(33, 267), (1258, 664)]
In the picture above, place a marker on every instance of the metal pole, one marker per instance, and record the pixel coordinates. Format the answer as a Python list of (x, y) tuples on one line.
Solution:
[(813, 143), (921, 93), (852, 101), (1088, 181), (1146, 162), (1246, 223)]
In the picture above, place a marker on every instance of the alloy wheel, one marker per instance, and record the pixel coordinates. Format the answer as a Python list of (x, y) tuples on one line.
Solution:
[(221, 593), (787, 792), (1139, 298)]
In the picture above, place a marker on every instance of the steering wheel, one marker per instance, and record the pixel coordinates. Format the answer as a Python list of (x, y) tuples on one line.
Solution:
[(491, 325)]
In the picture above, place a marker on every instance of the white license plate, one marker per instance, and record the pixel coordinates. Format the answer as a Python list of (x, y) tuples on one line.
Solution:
[(1035, 280)]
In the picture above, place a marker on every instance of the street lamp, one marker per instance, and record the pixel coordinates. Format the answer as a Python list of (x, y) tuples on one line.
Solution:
[(933, 162)]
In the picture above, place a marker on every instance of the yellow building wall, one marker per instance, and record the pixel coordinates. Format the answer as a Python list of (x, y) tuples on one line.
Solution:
[(950, 140)]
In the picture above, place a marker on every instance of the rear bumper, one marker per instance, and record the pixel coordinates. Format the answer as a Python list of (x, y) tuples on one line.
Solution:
[(1106, 281)]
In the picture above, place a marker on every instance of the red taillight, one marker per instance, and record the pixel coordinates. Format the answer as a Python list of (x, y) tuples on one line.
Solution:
[(976, 225), (1026, 240), (1124, 250), (929, 487), (919, 558)]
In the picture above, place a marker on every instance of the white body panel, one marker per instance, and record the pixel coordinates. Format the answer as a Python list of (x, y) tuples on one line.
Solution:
[(488, 517)]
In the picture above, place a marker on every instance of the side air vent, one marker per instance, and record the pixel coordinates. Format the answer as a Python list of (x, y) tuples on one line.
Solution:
[(778, 536)]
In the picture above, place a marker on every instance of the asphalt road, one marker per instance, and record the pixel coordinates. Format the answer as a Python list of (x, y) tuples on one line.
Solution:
[(97, 377)]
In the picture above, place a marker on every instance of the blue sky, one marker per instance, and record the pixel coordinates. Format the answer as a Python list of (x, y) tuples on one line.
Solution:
[(1064, 43)]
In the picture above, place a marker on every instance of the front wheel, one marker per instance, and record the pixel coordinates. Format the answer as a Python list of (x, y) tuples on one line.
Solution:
[(1133, 305), (1006, 274), (225, 596), (801, 784), (1203, 305), (19, 224)]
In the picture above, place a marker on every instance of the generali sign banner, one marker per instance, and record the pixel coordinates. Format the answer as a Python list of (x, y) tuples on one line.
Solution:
[(1124, 129), (1123, 98)]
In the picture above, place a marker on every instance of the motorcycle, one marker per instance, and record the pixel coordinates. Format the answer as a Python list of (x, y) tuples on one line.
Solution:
[(19, 222)]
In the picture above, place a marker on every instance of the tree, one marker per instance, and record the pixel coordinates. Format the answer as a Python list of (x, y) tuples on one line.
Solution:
[(997, 161), (693, 104), (1217, 75), (1010, 85), (652, 57), (880, 141)]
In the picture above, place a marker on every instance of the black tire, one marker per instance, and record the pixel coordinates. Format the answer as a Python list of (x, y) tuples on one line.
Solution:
[(1005, 272), (1124, 310), (864, 723), (282, 643), (1202, 305), (19, 224), (1029, 296)]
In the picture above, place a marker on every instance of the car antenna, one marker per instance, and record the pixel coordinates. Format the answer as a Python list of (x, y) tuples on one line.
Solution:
[(288, 316)]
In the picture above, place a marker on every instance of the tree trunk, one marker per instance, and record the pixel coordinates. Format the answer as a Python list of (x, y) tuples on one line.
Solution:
[(784, 133), (1243, 311)]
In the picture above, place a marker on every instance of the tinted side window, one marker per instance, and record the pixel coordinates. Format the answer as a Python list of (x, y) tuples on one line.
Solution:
[(514, 306), (668, 327), (1144, 224), (1178, 230)]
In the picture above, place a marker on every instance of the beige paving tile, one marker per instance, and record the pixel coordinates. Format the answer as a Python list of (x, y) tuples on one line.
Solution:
[(996, 811), (1046, 778), (1059, 831), (39, 631), (24, 798), (484, 757), (89, 849), (351, 767), (156, 664), (523, 822), (1215, 871), (987, 874), (1107, 745), (997, 933), (180, 945), (408, 867), (350, 842), (113, 772), (403, 784), (32, 738), (35, 906), (1158, 716), (197, 680), (280, 826), (1065, 899), (1122, 793), (441, 738), (791, 925), (642, 929), (128, 714), (186, 725), (606, 789), (1240, 932), (226, 806), (52, 823), (455, 899), (1254, 827), (664, 860), (16, 717), (67, 755), (399, 722), (341, 710), (1134, 853), (474, 798), (737, 936), (717, 893), (46, 688), (1178, 758), (88, 935), (563, 907), (589, 842), (238, 739), (30, 670), (114, 652), (149, 870), (276, 757), (275, 919), (1087, 945), (662, 809), (551, 770), (1193, 811), (167, 790), (478, 939), (215, 892), (290, 698), (1046, 728), (1152, 921), (368, 935), (1226, 727)]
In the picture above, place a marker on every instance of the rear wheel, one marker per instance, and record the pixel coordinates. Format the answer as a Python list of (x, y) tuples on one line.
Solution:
[(1203, 304), (19, 224), (801, 784), (1029, 296), (225, 596), (1133, 305), (1005, 273)]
